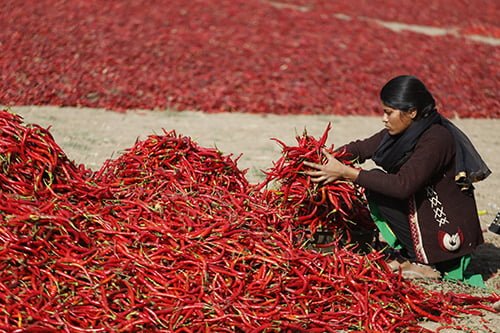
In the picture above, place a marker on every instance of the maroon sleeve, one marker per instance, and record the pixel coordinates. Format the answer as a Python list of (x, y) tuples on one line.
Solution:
[(362, 150), (434, 151)]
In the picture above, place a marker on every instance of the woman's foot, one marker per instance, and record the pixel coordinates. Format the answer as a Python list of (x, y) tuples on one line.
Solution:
[(394, 258), (411, 271), (395, 264)]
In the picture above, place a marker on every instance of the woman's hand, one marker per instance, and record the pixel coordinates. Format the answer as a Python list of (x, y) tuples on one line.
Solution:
[(331, 171)]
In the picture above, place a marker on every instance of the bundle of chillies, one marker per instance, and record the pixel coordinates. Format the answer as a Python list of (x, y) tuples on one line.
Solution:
[(336, 207), (171, 237)]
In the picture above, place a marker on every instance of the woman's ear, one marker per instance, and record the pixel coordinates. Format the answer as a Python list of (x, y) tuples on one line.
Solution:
[(413, 113)]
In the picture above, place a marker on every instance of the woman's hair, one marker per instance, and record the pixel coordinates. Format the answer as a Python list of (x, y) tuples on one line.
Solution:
[(406, 93)]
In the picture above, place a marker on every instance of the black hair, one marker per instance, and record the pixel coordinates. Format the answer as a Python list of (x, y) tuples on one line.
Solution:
[(408, 93)]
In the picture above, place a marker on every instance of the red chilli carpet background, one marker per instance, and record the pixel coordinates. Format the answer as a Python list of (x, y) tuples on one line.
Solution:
[(248, 56)]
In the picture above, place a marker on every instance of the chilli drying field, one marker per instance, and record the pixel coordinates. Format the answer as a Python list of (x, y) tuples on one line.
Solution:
[(246, 56), (171, 235)]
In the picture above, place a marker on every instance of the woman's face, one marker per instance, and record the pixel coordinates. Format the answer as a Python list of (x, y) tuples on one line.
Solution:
[(397, 121)]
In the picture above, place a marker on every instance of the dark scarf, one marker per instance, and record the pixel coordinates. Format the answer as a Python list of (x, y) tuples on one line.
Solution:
[(394, 150)]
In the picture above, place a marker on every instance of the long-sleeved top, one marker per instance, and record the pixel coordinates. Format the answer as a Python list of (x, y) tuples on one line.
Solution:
[(443, 219)]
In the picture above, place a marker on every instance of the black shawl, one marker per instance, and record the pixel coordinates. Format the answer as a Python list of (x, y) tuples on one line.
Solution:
[(394, 150)]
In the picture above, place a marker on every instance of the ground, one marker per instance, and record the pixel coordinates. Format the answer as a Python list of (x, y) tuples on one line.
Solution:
[(90, 136)]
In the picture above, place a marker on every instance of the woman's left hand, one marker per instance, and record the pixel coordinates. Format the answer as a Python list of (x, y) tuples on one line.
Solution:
[(331, 171)]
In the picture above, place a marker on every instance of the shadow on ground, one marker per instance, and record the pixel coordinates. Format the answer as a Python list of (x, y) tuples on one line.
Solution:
[(486, 261)]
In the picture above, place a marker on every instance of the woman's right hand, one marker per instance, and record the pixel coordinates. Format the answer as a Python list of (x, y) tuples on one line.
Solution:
[(331, 171)]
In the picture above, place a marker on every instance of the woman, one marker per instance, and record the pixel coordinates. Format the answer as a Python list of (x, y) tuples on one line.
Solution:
[(423, 201)]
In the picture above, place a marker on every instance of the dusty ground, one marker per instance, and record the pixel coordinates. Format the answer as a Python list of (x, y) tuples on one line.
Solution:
[(91, 136)]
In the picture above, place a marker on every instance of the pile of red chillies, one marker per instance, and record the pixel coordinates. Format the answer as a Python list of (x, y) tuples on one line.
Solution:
[(170, 236)]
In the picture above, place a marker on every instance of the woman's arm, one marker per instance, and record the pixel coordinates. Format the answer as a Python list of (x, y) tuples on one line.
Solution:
[(433, 152), (359, 150), (362, 150), (430, 158)]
